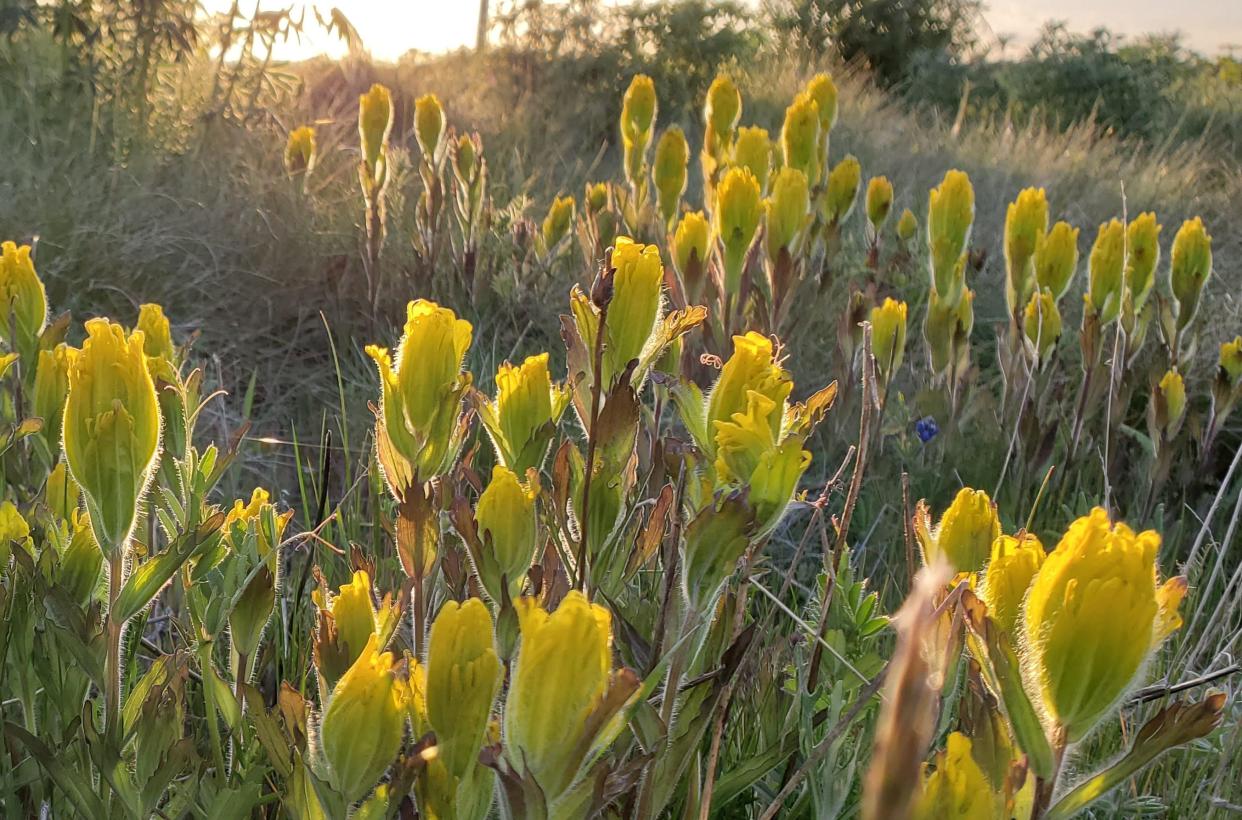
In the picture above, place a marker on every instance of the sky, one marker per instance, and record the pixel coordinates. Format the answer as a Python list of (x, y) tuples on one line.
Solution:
[(389, 28)]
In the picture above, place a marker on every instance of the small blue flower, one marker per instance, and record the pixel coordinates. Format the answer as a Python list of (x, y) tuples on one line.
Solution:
[(926, 428)]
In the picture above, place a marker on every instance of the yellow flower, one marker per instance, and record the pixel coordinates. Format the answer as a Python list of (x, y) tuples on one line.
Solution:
[(1142, 256), (422, 392), (723, 109), (753, 367), (300, 150), (1170, 404), (1014, 562), (463, 678), (353, 613), (950, 214), (521, 420), (669, 171), (1093, 615), (750, 453), (690, 241), (907, 225), (736, 218), (465, 156), (823, 90), (879, 201), (596, 196), (800, 137), (62, 493), (636, 306), (638, 112), (843, 182), (1230, 361), (22, 298), (507, 525), (51, 387), (957, 787), (428, 124), (556, 223), (562, 672), (112, 429), (363, 723), (786, 212), (1056, 259), (157, 336), (374, 123), (888, 336), (1042, 323), (1191, 267), (947, 329), (1026, 222), (965, 533), (753, 151), (1105, 271)]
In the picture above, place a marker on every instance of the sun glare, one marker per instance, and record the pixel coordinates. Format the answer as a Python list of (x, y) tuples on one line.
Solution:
[(388, 28)]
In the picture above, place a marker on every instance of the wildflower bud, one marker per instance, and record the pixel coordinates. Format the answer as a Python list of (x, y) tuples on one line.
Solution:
[(557, 705), (363, 723), (463, 678), (823, 90), (421, 394), (1042, 323), (353, 615), (947, 330), (300, 151), (690, 249), (786, 210), (23, 301), (957, 786), (907, 225), (950, 214), (800, 137), (465, 154), (736, 217), (1106, 285), (669, 172), (964, 534), (1010, 570), (1056, 259), (556, 224), (1191, 267), (888, 337), (1026, 222), (112, 429), (374, 124), (596, 197), (62, 493), (428, 125), (753, 151), (843, 182), (521, 420), (1095, 593), (722, 110), (635, 308), (507, 525), (1142, 257), (1168, 405), (51, 387), (879, 201), (1230, 361), (638, 112), (156, 333)]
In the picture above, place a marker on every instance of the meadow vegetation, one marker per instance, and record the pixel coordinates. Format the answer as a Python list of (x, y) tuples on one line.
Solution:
[(827, 437)]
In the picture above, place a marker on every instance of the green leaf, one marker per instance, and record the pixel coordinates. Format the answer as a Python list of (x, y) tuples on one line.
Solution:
[(147, 580), (1007, 677), (71, 782), (1172, 726)]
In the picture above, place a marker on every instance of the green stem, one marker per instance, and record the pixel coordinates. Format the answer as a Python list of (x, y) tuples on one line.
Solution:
[(112, 663)]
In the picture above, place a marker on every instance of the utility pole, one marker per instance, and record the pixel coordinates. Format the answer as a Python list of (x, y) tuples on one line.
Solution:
[(480, 41)]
